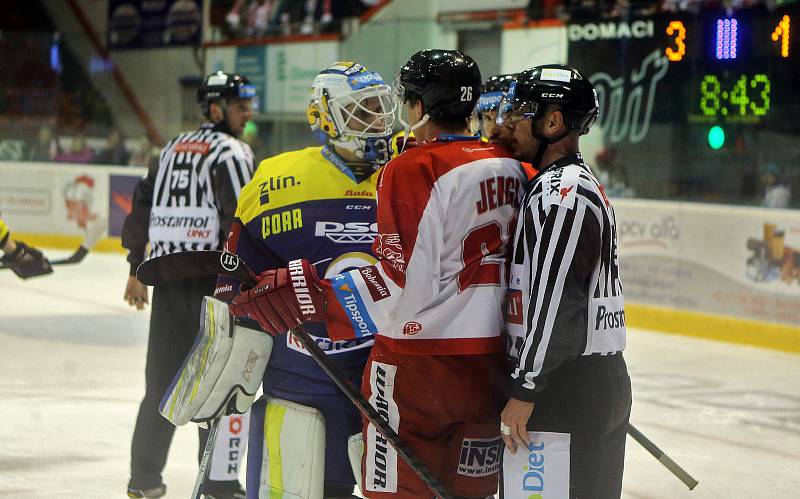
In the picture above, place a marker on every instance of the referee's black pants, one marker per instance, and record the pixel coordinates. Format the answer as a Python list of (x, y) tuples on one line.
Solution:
[(174, 323), (589, 398)]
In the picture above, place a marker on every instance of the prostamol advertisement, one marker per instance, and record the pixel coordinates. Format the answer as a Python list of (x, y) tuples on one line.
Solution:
[(735, 261)]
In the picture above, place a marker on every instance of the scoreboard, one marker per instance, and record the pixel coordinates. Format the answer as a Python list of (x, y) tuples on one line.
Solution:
[(669, 83)]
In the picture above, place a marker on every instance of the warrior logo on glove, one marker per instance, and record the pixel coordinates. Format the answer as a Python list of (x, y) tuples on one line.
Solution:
[(283, 298), (301, 288)]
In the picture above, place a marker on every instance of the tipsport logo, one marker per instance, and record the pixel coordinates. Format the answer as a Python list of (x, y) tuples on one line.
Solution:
[(350, 300), (364, 80)]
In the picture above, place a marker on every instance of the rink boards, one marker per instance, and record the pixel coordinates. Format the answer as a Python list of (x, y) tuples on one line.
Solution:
[(717, 271)]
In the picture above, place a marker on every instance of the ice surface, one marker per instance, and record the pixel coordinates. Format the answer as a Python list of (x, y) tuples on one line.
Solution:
[(72, 375)]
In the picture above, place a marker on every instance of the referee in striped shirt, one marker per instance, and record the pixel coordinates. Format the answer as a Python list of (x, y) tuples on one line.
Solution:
[(187, 203), (566, 317)]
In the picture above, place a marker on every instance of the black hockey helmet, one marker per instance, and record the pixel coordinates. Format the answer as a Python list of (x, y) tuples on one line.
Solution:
[(535, 88), (446, 81), (223, 86), (493, 91)]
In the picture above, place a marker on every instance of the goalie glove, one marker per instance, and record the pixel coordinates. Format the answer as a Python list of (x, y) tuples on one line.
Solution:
[(26, 261), (283, 298)]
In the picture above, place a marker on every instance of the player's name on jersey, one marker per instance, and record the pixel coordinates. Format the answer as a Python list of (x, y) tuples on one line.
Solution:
[(496, 192), (281, 222)]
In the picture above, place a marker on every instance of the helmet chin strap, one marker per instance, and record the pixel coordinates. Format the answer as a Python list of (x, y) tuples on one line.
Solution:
[(407, 128)]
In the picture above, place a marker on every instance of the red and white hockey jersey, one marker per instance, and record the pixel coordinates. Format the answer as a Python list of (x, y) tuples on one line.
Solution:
[(446, 216)]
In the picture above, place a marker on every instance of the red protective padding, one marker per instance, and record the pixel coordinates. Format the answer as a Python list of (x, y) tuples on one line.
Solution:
[(448, 412)]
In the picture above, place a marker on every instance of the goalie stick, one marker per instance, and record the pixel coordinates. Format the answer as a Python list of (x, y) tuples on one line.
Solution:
[(205, 461), (178, 266)]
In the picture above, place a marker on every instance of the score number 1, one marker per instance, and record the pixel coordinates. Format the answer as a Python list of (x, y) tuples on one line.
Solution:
[(782, 32)]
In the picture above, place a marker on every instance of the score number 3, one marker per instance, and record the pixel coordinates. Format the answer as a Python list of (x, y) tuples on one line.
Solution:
[(678, 30)]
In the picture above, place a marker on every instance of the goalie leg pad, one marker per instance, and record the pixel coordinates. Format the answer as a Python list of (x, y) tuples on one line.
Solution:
[(355, 450), (286, 458), (222, 371)]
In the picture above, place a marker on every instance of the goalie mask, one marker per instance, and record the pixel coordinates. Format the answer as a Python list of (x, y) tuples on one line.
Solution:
[(352, 108)]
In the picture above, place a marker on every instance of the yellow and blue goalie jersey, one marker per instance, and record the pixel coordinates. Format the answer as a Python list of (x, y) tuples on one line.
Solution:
[(307, 204)]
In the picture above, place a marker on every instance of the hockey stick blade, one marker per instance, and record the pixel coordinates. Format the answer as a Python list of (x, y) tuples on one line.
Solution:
[(187, 264), (184, 265), (93, 234), (663, 458), (76, 257)]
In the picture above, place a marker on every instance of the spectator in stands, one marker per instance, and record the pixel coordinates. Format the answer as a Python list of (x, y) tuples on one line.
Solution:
[(777, 192), (114, 152), (144, 155), (259, 17), (311, 10), (79, 151), (46, 147), (251, 18), (234, 16)]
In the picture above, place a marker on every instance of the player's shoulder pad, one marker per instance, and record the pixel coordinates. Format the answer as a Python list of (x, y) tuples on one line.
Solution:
[(410, 167), (560, 186)]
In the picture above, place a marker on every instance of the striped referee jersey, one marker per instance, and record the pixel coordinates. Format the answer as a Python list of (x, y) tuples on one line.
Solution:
[(565, 294), (200, 176)]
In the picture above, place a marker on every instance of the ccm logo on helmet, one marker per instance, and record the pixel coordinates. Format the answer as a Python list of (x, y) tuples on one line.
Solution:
[(553, 96)]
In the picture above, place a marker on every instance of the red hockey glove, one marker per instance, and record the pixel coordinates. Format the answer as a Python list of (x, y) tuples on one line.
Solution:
[(283, 298)]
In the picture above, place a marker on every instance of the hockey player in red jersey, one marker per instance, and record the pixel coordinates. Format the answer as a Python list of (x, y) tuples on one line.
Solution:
[(446, 211)]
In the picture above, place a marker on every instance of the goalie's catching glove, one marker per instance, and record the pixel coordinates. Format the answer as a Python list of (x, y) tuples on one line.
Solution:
[(26, 261), (283, 298)]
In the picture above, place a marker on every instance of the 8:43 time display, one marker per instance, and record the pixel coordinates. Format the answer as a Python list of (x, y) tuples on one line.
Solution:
[(747, 98)]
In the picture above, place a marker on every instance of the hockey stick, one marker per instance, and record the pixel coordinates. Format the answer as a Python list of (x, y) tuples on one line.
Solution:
[(92, 236), (183, 265), (664, 459), (205, 462)]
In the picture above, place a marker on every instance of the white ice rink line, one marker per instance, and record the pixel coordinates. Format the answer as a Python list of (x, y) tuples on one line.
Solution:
[(72, 375)]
